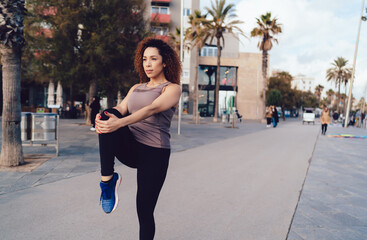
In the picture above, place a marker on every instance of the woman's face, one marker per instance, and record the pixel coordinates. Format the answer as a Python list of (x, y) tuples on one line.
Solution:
[(152, 62)]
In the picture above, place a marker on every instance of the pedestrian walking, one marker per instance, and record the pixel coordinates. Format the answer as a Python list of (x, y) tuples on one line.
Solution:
[(335, 116), (268, 115), (325, 120), (275, 117), (95, 107), (136, 131)]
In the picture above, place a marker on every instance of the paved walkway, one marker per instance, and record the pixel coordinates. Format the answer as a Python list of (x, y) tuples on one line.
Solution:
[(222, 184), (79, 150), (333, 204)]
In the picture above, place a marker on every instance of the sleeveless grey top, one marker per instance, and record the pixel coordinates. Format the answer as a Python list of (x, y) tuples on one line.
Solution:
[(154, 130)]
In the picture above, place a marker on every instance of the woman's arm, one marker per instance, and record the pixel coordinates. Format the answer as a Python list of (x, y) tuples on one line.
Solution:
[(122, 107), (169, 98)]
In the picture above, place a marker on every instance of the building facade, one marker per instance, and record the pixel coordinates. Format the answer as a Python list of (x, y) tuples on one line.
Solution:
[(303, 83)]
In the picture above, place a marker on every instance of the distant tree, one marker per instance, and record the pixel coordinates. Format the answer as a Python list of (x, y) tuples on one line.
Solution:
[(221, 19), (281, 81), (112, 31), (318, 91), (324, 103), (338, 73), (90, 45), (361, 104), (196, 37), (274, 97), (11, 42), (266, 29), (330, 94)]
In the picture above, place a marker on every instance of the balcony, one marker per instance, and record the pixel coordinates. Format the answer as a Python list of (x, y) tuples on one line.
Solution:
[(162, 37), (161, 18)]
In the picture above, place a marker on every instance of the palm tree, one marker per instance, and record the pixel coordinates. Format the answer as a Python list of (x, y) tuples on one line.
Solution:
[(175, 40), (318, 91), (330, 93), (266, 29), (12, 41), (221, 19), (196, 37), (338, 73)]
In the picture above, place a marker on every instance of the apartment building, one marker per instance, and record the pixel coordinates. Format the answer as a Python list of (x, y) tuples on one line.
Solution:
[(303, 83)]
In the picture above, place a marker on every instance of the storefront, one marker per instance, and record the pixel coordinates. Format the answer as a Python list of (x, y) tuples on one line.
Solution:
[(227, 89)]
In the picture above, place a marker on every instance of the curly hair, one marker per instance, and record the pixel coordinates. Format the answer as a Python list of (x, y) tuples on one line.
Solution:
[(173, 69)]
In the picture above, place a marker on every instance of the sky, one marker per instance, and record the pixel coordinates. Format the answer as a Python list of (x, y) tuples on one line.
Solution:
[(315, 33)]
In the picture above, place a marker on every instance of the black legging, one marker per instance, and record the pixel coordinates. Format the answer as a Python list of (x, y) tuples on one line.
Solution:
[(323, 128), (151, 164)]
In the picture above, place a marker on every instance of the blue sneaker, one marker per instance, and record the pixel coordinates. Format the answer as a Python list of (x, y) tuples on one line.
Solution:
[(109, 197)]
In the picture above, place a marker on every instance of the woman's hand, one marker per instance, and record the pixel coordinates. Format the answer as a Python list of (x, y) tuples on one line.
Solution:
[(107, 126)]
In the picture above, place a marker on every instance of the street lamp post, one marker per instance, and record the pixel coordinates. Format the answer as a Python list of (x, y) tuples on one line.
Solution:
[(362, 18), (181, 59)]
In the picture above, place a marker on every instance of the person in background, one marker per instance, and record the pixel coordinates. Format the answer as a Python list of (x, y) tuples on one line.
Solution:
[(275, 116), (268, 115), (335, 116), (95, 107), (325, 120), (239, 116)]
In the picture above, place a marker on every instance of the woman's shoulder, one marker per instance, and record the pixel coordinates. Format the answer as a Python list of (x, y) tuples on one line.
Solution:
[(172, 86), (135, 86)]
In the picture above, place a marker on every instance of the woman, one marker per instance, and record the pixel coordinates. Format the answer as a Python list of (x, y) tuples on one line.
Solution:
[(136, 131), (275, 116), (325, 120), (95, 106), (268, 115)]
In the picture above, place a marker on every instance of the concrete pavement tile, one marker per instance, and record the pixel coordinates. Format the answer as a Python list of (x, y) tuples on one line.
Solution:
[(294, 236), (316, 234), (355, 211), (351, 234), (345, 220), (320, 206), (7, 178), (26, 181), (302, 221), (50, 178)]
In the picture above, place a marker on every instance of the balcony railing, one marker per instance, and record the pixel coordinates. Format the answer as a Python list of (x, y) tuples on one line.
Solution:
[(161, 18), (163, 37), (161, 1)]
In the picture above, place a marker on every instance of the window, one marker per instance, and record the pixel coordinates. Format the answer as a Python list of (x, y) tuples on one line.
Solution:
[(160, 10), (209, 51), (164, 10), (186, 11), (155, 9), (186, 73), (160, 30)]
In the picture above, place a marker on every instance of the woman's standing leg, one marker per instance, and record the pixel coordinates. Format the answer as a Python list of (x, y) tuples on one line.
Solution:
[(323, 128), (152, 170)]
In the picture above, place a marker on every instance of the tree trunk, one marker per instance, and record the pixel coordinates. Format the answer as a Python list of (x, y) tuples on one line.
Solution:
[(11, 150), (196, 90), (217, 83), (110, 99), (92, 92), (264, 73)]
